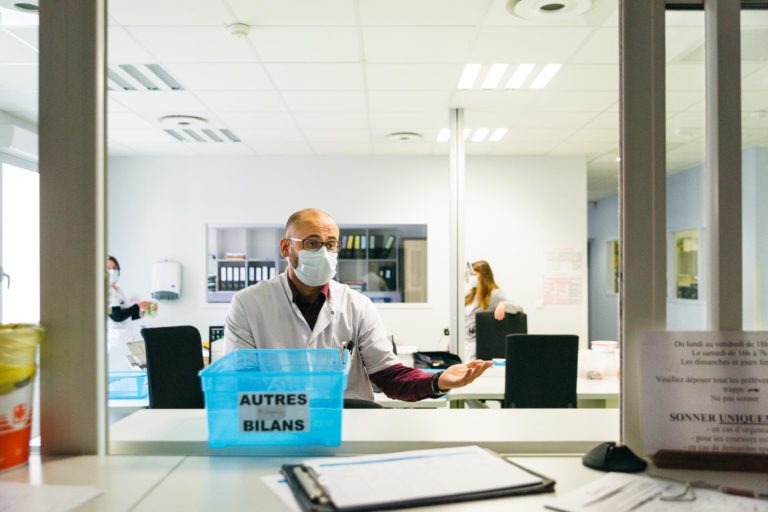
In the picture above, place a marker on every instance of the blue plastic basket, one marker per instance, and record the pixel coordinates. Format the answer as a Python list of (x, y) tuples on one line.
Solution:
[(276, 397), (127, 385)]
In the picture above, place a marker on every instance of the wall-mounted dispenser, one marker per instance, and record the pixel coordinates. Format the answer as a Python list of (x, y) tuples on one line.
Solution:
[(166, 280)]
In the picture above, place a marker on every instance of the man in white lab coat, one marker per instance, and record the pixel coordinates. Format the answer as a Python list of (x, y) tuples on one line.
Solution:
[(305, 308)]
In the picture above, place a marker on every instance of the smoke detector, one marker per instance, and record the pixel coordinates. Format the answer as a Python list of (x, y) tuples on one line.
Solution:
[(183, 121), (404, 137), (239, 30), (29, 7), (547, 9)]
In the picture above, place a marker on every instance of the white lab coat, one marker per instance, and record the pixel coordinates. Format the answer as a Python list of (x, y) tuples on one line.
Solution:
[(118, 333), (265, 316)]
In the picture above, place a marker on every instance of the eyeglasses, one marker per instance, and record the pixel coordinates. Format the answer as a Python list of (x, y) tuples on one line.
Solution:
[(314, 244)]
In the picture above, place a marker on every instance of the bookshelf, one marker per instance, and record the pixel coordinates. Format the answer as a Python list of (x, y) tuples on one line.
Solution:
[(376, 260)]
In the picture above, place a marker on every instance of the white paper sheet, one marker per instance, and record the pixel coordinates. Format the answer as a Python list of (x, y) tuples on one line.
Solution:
[(620, 492), (18, 497), (279, 486), (404, 476)]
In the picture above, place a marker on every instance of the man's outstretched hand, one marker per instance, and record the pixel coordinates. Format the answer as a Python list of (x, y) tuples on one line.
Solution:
[(460, 375)]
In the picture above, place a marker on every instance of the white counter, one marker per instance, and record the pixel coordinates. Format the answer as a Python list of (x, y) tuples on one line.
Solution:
[(562, 431)]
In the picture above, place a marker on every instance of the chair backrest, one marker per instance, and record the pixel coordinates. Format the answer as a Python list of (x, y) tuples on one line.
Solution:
[(174, 358), (490, 333), (359, 403), (541, 371)]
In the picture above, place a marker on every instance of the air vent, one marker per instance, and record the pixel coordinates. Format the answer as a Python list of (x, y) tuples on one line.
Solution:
[(185, 128), (141, 77)]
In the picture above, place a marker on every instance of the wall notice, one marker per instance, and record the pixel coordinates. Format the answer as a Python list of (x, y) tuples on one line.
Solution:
[(563, 277), (705, 391)]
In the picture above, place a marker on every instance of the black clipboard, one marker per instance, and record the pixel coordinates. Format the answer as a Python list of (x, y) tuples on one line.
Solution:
[(312, 497)]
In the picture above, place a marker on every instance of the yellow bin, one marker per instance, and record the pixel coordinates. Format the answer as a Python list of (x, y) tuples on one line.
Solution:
[(18, 345)]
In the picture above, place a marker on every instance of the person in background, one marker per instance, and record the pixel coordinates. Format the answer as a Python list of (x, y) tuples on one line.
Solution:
[(119, 331), (483, 295), (305, 308)]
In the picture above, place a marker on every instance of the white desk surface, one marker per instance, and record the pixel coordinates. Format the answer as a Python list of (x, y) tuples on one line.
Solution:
[(491, 387), (526, 431), (149, 484)]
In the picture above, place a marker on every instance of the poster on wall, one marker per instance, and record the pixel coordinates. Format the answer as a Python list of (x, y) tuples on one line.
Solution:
[(705, 391), (563, 277)]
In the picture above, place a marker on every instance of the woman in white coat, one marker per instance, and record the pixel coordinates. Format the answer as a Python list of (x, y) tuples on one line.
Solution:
[(121, 314)]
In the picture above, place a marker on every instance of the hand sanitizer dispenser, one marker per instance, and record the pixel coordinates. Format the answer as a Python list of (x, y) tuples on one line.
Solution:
[(166, 280)]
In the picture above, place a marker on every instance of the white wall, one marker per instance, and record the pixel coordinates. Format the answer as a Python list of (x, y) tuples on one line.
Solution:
[(159, 207), (516, 211)]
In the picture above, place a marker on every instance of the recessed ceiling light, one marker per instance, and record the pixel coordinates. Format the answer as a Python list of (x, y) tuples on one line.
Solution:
[(497, 134), (444, 135), (469, 76), (404, 137), (239, 30), (493, 77), (480, 135), (546, 74), (183, 121), (519, 76)]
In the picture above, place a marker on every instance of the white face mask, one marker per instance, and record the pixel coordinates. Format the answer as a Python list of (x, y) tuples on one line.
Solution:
[(114, 274), (472, 281), (316, 267)]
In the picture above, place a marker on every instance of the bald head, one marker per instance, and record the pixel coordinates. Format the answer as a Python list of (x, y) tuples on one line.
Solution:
[(312, 219)]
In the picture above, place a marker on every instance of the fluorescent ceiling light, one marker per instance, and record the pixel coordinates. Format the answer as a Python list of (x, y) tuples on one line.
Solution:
[(469, 76), (519, 76), (443, 135), (498, 134), (494, 76), (546, 74), (480, 135)]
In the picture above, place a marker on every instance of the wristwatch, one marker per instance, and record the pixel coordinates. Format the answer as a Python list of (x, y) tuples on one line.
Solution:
[(435, 386)]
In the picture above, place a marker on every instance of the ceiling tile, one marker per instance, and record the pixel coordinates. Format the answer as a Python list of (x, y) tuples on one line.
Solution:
[(325, 101), (595, 135), (128, 121), (256, 120), (115, 148), (113, 105), (511, 146), (164, 144), (167, 102), (122, 48), (417, 44), (551, 136), (495, 101), (250, 136), (573, 101), (401, 101), (681, 41), (194, 44), (605, 120), (585, 77), (601, 48), (30, 116), (415, 77), (18, 77), (306, 44), (332, 148), (281, 148), (332, 120), (241, 101), (527, 44), (685, 77), (388, 122), (170, 12), (423, 12), (221, 76), (304, 77), (684, 100), (12, 101), (319, 135), (294, 12), (754, 100), (602, 12), (13, 51), (28, 35), (585, 148), (402, 148)]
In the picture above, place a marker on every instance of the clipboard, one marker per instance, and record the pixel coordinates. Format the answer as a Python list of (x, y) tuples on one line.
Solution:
[(315, 494)]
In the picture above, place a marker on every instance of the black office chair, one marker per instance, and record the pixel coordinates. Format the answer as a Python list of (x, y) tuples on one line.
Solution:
[(541, 371), (174, 358), (359, 403), (490, 334)]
